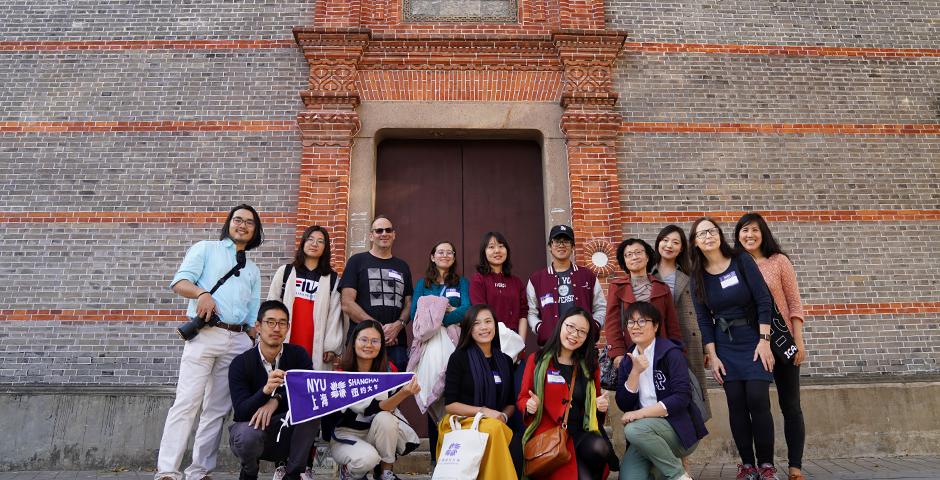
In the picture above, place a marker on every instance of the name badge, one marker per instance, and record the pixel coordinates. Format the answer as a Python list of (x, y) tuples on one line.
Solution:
[(554, 376), (729, 279), (394, 274), (547, 299), (452, 292), (497, 378)]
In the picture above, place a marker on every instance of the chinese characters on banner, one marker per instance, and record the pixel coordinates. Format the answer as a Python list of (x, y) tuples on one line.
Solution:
[(312, 394)]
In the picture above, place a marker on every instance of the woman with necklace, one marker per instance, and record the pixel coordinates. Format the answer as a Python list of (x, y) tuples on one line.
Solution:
[(562, 382)]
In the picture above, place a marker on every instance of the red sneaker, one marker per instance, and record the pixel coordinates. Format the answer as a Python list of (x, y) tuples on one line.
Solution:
[(747, 472), (768, 472)]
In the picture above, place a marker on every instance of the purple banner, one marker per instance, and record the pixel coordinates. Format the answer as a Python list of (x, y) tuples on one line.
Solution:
[(312, 393)]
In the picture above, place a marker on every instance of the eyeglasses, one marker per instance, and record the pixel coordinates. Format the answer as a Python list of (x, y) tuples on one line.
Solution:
[(375, 342), (275, 323), (634, 253), (640, 322), (243, 221), (711, 232), (379, 231), (572, 330), (315, 241), (444, 253), (563, 242)]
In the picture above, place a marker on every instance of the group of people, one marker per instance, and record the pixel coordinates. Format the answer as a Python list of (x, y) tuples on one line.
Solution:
[(683, 307)]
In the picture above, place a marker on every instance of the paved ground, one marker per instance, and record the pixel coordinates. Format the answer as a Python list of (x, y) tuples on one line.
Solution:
[(895, 468)]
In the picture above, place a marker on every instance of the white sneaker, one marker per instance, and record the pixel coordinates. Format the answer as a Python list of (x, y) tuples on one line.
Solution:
[(307, 475), (280, 473)]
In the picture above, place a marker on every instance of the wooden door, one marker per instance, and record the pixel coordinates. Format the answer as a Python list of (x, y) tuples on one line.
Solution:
[(456, 191)]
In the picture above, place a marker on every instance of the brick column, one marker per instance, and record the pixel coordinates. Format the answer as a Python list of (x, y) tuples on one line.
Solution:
[(327, 125), (591, 125)]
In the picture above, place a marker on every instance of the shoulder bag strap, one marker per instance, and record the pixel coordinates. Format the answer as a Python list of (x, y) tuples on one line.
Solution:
[(287, 269), (574, 377)]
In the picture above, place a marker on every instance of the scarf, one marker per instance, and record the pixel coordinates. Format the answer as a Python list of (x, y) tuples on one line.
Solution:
[(487, 393), (590, 399)]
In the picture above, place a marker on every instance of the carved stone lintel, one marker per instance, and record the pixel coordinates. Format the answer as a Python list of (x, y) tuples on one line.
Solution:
[(328, 127)]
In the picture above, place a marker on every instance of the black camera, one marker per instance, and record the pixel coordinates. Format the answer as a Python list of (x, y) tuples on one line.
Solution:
[(190, 329)]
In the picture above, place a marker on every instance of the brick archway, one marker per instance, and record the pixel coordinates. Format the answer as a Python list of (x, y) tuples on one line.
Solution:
[(557, 51)]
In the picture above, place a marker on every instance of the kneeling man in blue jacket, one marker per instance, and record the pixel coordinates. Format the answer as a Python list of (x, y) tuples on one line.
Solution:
[(256, 381)]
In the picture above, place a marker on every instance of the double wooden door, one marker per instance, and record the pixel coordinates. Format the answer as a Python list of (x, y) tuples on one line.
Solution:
[(456, 191)]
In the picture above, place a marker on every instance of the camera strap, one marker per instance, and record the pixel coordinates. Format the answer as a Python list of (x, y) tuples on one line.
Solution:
[(239, 264)]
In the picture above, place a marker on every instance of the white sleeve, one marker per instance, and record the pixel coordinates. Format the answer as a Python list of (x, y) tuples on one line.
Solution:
[(533, 316)]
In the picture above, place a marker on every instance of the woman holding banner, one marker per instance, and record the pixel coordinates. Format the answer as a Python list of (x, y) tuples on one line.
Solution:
[(308, 287), (562, 381), (371, 432), (479, 380)]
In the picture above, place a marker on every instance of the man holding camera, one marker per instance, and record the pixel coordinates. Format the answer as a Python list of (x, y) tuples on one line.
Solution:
[(256, 381), (224, 292)]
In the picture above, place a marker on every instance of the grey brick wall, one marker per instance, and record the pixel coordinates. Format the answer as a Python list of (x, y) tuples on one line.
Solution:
[(867, 23), (153, 19), (210, 171), (147, 85), (836, 262), (692, 87), (682, 172), (128, 266)]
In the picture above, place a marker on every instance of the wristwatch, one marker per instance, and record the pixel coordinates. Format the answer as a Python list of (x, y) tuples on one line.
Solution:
[(765, 336)]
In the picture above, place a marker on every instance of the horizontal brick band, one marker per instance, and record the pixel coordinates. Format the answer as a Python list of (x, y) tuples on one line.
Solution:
[(165, 315), (196, 218), (871, 308), (787, 50), (815, 216), (66, 45), (783, 128), (151, 126)]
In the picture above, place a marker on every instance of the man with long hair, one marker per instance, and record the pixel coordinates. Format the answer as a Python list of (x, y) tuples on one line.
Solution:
[(229, 310)]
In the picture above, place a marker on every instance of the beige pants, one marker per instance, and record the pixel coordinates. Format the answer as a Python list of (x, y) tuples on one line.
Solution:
[(381, 443)]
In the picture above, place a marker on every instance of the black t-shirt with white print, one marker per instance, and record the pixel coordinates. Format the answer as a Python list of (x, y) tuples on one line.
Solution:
[(381, 286)]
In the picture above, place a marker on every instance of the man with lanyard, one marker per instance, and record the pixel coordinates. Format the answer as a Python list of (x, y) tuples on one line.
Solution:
[(377, 285), (552, 291), (230, 313), (256, 381)]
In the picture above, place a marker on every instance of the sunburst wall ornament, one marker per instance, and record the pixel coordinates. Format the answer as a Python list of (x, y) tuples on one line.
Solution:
[(601, 255)]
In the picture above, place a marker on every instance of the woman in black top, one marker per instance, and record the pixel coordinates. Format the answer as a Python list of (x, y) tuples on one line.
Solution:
[(479, 380)]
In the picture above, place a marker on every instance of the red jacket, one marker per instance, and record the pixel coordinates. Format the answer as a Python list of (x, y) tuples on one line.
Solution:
[(620, 296), (553, 411)]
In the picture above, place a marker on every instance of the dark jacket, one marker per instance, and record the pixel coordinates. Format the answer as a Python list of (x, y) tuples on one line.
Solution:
[(247, 376), (673, 389), (620, 296)]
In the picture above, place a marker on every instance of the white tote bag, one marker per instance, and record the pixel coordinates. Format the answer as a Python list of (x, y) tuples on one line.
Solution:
[(461, 451)]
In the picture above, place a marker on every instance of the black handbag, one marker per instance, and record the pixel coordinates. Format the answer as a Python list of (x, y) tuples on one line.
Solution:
[(781, 340), (608, 371)]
